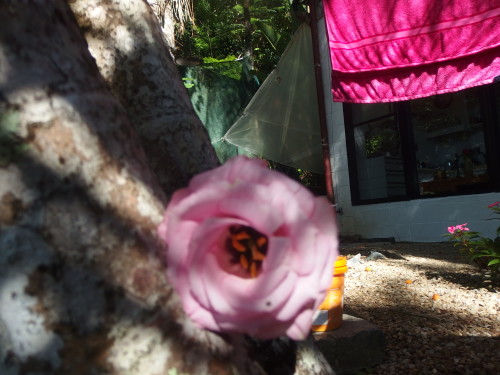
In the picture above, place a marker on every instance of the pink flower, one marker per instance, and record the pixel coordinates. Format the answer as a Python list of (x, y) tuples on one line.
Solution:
[(496, 204), (249, 250), (458, 227)]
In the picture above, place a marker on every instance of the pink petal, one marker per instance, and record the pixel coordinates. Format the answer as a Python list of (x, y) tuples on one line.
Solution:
[(325, 220), (301, 327), (200, 204), (302, 296), (265, 302), (239, 169), (305, 248), (302, 245), (207, 245), (202, 317), (178, 238), (247, 169), (249, 202), (293, 198)]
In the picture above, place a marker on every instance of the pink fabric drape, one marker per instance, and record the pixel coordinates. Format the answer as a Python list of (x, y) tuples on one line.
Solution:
[(392, 50)]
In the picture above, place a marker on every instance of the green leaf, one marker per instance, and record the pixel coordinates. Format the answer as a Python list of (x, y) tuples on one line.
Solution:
[(494, 261), (271, 35)]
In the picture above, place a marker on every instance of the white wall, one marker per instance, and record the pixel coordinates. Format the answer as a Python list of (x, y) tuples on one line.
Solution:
[(420, 220)]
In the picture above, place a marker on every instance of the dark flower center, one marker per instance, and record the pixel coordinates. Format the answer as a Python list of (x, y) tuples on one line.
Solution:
[(247, 247)]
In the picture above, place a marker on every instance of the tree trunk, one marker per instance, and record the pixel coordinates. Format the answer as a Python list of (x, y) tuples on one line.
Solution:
[(82, 281), (125, 39), (247, 40)]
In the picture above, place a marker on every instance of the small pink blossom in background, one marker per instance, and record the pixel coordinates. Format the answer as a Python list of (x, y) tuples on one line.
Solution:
[(458, 227), (249, 250), (496, 204)]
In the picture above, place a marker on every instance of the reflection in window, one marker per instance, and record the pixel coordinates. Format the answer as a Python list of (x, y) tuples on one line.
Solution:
[(450, 144), (378, 154), (382, 138)]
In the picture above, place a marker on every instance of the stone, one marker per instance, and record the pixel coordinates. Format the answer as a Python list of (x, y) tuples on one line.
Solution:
[(357, 344)]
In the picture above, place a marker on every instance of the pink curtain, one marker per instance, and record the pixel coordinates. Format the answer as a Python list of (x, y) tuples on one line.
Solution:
[(392, 50)]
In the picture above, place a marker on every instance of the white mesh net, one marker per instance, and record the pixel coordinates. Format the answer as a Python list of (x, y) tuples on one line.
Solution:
[(281, 122)]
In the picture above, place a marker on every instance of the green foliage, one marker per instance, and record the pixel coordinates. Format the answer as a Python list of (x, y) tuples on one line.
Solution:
[(381, 139), (221, 30), (313, 181), (271, 35), (482, 250), (188, 82), (224, 66)]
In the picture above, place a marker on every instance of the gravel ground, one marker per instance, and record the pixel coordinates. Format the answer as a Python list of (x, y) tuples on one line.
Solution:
[(456, 332)]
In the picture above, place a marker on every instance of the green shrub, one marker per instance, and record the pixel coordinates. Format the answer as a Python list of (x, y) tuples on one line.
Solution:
[(482, 250)]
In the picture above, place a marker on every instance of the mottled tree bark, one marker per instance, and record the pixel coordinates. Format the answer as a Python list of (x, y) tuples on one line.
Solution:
[(127, 43), (82, 281)]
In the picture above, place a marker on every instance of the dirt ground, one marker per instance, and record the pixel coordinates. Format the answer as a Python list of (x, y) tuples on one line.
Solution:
[(440, 314)]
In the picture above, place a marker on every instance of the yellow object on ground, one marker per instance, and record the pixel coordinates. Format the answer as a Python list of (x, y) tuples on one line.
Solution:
[(328, 316)]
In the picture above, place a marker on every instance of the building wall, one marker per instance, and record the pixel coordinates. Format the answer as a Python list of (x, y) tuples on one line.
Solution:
[(419, 220)]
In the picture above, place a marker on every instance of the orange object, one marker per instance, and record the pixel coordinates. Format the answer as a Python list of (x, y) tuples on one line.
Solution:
[(435, 297), (408, 281), (368, 269), (328, 315)]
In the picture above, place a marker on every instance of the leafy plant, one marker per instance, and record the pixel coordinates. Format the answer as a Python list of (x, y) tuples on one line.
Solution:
[(261, 28), (312, 181), (482, 250), (188, 82), (381, 139), (224, 66)]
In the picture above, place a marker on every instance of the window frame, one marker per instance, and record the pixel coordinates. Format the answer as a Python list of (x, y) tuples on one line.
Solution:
[(401, 112)]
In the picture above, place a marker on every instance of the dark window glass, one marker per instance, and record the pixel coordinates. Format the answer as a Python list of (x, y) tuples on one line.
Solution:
[(379, 163), (449, 142), (435, 146)]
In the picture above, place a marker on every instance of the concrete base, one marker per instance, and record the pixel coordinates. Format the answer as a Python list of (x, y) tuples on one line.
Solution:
[(356, 345)]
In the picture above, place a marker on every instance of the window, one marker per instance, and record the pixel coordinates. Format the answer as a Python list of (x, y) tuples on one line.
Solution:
[(435, 146)]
